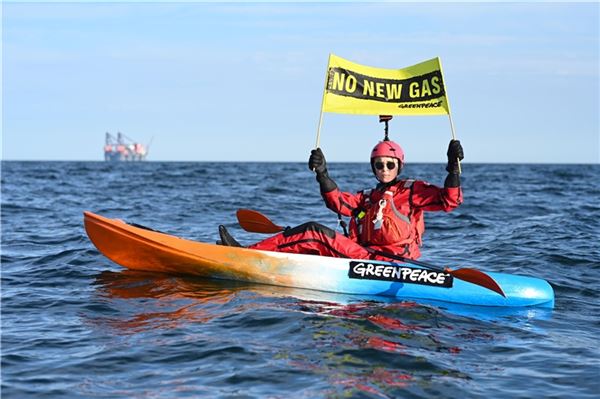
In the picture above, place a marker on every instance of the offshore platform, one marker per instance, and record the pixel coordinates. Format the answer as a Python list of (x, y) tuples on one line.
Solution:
[(122, 148)]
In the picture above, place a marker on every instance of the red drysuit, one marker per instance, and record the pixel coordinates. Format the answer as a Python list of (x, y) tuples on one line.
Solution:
[(388, 219)]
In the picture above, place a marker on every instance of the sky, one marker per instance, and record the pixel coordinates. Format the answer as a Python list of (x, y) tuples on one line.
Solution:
[(244, 81)]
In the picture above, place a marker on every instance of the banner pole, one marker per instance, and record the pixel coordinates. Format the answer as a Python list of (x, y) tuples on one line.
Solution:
[(449, 113), (452, 127), (453, 134), (319, 127), (322, 103)]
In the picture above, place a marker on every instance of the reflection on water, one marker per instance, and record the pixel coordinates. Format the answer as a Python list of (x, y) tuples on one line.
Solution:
[(358, 345), (177, 300)]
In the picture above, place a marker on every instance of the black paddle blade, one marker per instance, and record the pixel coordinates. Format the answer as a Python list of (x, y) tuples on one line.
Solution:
[(256, 222), (476, 277)]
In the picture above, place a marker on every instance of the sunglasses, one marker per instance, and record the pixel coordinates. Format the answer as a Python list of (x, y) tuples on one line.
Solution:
[(390, 165)]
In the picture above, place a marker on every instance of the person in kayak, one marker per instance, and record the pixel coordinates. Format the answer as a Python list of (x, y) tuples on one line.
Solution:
[(385, 220)]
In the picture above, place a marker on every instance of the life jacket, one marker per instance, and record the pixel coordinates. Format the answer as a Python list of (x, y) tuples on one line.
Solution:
[(387, 217)]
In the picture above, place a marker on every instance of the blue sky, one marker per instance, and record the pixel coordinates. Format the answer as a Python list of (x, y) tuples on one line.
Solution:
[(243, 82)]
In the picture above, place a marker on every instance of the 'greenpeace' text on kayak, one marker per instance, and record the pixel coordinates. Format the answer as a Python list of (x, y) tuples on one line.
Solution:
[(397, 273)]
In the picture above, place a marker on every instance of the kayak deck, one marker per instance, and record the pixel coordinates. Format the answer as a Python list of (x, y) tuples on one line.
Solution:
[(141, 249)]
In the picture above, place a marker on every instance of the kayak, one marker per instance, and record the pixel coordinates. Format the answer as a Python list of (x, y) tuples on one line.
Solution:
[(139, 248)]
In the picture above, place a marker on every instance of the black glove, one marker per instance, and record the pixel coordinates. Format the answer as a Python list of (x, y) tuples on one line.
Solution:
[(316, 162), (455, 153)]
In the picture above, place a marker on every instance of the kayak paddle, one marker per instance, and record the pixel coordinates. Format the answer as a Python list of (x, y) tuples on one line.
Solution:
[(255, 222)]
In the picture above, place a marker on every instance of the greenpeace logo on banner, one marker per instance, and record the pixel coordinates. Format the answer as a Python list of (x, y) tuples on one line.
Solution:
[(345, 82), (422, 105), (399, 274)]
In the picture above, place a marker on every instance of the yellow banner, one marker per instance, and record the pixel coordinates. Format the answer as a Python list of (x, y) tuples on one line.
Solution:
[(359, 89)]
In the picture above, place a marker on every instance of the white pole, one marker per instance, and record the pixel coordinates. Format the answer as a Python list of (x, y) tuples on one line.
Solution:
[(452, 127), (323, 102), (449, 113), (454, 137), (319, 127)]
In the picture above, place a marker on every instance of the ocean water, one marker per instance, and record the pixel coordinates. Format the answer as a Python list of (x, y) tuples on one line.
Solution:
[(74, 324)]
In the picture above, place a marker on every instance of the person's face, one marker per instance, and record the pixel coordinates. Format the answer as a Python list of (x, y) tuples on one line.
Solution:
[(386, 169)]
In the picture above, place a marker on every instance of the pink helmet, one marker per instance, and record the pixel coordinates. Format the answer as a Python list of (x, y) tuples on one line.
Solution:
[(388, 149)]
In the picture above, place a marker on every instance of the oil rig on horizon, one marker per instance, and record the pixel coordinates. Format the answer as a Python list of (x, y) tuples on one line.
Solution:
[(122, 148)]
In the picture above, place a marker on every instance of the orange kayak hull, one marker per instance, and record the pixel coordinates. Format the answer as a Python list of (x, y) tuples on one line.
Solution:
[(151, 251)]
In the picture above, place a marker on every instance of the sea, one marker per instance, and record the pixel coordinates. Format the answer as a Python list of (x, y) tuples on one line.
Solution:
[(76, 325)]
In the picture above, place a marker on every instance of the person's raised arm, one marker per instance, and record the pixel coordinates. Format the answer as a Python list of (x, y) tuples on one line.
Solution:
[(317, 163)]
